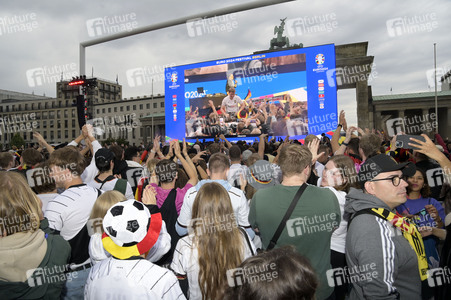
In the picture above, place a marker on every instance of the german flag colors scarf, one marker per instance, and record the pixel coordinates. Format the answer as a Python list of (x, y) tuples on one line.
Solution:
[(410, 233)]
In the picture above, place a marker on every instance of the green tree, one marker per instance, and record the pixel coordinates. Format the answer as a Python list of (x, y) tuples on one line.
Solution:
[(108, 141), (121, 141), (17, 140)]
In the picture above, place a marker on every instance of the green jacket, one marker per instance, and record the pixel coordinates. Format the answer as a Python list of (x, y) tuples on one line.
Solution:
[(56, 258)]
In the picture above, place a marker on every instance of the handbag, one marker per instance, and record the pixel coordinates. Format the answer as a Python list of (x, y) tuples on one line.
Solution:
[(279, 230)]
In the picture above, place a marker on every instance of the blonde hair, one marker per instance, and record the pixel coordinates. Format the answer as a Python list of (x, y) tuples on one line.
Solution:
[(20, 208), (293, 159), (104, 203), (212, 205)]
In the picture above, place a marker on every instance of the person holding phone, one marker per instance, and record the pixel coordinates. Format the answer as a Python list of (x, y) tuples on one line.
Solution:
[(424, 211)]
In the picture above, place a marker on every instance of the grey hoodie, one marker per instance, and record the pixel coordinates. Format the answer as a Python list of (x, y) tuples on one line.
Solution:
[(381, 262)]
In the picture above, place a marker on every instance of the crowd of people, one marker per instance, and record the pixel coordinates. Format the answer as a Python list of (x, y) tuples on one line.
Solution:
[(351, 216)]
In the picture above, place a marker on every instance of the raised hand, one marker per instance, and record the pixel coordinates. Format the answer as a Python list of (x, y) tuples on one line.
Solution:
[(313, 147), (342, 120), (149, 195), (184, 149), (349, 132), (176, 147)]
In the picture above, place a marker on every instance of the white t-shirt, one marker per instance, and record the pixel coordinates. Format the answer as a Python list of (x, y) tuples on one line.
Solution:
[(45, 198), (232, 105), (186, 262), (338, 240), (239, 204), (109, 186), (131, 279), (70, 211)]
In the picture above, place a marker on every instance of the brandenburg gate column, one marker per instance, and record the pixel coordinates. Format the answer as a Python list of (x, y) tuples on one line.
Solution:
[(378, 120), (362, 104)]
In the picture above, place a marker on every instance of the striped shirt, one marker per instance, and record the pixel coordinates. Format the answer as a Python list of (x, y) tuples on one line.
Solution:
[(69, 211), (131, 279)]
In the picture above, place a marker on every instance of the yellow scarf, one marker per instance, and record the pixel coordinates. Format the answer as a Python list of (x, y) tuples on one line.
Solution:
[(410, 233)]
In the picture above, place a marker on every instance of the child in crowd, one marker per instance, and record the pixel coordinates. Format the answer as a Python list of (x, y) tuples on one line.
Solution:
[(131, 229), (213, 232), (96, 249)]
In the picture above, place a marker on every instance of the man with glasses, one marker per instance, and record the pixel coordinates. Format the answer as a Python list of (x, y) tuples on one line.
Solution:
[(384, 252)]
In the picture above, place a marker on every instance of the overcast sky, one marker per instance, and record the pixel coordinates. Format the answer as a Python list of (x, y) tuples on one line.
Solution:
[(45, 35)]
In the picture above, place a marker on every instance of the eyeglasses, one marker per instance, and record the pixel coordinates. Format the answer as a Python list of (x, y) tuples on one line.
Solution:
[(395, 180)]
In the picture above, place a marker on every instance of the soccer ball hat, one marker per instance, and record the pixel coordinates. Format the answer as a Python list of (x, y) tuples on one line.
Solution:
[(130, 229)]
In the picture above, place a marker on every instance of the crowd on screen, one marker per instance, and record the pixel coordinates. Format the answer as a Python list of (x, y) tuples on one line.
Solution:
[(278, 116), (177, 220)]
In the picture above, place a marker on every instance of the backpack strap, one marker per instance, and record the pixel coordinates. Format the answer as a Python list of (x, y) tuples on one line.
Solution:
[(246, 237), (287, 215), (367, 211), (111, 177)]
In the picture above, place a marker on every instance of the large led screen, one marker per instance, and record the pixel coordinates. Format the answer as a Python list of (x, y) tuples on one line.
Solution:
[(288, 92)]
